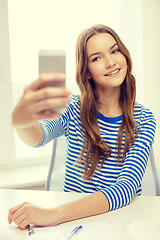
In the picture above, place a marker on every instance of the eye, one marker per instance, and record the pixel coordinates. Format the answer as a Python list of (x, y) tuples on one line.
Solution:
[(96, 59), (115, 51)]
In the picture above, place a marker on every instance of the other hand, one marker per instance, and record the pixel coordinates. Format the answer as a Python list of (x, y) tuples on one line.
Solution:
[(26, 213), (36, 101)]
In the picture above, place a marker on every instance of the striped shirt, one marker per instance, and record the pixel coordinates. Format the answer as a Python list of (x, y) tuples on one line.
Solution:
[(118, 182)]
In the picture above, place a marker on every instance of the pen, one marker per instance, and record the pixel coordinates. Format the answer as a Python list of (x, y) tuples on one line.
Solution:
[(74, 231), (30, 231)]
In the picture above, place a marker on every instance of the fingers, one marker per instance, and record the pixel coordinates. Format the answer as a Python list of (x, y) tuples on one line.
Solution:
[(48, 104), (44, 93), (27, 213), (36, 101), (48, 97), (52, 92), (14, 209), (22, 215), (16, 214), (46, 78)]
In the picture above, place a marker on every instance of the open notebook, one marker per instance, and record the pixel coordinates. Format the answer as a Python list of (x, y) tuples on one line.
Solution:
[(6, 234), (139, 230), (101, 230), (63, 231)]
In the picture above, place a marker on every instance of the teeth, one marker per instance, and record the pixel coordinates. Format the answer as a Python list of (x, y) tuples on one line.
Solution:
[(112, 72)]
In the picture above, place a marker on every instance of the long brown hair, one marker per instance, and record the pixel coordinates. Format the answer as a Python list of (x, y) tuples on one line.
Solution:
[(94, 147)]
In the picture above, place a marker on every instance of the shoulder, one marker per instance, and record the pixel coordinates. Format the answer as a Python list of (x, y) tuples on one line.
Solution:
[(75, 98), (75, 102), (143, 115)]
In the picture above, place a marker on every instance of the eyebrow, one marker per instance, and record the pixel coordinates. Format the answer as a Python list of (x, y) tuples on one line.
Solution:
[(96, 53)]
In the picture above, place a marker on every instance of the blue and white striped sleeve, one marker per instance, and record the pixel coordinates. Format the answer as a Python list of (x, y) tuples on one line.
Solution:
[(53, 128), (135, 162)]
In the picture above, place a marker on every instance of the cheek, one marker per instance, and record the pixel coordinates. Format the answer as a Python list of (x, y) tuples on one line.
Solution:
[(123, 61), (95, 69), (92, 70), (123, 64)]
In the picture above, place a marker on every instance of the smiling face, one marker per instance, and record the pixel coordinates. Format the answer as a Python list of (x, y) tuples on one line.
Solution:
[(107, 66)]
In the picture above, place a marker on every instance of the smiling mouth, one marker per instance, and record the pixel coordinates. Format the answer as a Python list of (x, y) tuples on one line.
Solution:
[(113, 73)]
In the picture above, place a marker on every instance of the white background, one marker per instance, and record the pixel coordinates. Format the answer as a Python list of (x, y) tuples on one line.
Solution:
[(40, 24)]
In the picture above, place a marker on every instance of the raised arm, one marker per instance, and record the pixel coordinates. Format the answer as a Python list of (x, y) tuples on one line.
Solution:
[(34, 105)]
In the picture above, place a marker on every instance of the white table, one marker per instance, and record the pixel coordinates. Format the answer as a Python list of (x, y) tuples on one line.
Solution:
[(144, 207)]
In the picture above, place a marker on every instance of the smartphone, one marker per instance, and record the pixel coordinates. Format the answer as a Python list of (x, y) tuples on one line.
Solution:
[(53, 61)]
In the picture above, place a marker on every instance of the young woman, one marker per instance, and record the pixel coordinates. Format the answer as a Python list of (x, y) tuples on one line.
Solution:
[(109, 136)]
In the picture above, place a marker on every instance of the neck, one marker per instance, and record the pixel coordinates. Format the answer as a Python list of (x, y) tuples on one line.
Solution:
[(108, 102)]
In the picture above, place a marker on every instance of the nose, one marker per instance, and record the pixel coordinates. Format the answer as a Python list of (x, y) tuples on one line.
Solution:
[(109, 62)]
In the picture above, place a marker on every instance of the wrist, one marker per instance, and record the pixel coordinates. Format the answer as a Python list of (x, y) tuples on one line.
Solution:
[(57, 215)]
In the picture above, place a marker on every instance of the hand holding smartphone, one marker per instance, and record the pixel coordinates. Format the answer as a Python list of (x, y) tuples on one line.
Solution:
[(53, 61)]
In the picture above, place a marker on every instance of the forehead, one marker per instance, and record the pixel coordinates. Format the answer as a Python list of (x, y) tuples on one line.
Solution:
[(98, 42)]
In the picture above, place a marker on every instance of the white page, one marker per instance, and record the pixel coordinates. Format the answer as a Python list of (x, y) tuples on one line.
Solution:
[(8, 234), (139, 230), (3, 236), (110, 232), (63, 231), (145, 229)]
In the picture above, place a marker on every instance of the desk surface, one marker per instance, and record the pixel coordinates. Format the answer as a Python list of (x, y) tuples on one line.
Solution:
[(144, 207)]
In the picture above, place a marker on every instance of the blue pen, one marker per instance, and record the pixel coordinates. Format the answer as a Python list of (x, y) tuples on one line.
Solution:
[(74, 231)]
